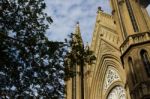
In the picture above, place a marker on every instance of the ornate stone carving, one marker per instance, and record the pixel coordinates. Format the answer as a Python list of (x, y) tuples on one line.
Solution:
[(117, 93), (111, 76)]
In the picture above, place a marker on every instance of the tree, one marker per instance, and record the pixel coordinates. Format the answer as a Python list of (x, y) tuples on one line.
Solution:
[(30, 64), (77, 55)]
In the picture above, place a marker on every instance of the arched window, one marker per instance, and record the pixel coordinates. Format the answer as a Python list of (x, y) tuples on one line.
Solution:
[(117, 92), (131, 67), (146, 61)]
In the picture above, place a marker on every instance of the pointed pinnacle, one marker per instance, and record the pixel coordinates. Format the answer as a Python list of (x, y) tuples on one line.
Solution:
[(77, 30)]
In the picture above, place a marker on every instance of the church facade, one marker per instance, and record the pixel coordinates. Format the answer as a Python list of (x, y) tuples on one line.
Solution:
[(121, 44)]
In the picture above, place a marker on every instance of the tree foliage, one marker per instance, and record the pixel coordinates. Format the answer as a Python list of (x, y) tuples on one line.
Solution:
[(77, 55), (30, 64)]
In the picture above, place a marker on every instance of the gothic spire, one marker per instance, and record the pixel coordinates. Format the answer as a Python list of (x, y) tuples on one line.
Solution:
[(77, 29), (77, 33)]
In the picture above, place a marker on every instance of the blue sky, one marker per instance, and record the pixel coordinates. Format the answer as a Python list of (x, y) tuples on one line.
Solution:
[(65, 14)]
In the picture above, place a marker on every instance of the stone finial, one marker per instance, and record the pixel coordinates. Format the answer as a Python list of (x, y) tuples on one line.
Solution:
[(99, 9), (77, 32)]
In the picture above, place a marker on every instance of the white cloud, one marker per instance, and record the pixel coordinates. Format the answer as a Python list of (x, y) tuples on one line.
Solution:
[(66, 13)]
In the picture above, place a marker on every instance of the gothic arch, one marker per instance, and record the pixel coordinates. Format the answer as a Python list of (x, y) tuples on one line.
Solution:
[(145, 48), (99, 75), (144, 55), (111, 76), (132, 70), (118, 81), (116, 92)]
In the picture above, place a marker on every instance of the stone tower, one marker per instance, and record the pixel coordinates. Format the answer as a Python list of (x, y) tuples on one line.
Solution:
[(131, 16), (133, 23), (106, 77)]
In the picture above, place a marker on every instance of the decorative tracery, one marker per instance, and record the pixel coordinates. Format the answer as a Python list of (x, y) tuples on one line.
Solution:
[(111, 76), (117, 93)]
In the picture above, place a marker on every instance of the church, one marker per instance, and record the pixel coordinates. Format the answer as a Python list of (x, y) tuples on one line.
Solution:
[(121, 44)]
